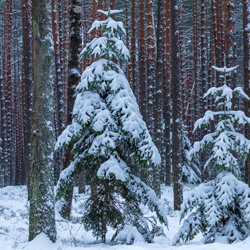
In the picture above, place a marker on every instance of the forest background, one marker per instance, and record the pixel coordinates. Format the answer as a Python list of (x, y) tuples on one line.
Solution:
[(210, 33)]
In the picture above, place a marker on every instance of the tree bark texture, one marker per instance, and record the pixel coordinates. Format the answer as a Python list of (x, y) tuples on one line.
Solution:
[(167, 92), (158, 93), (142, 62), (27, 85), (246, 45), (73, 79), (42, 214), (177, 113)]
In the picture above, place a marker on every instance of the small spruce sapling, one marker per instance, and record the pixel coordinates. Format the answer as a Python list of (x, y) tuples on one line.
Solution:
[(112, 142), (221, 207)]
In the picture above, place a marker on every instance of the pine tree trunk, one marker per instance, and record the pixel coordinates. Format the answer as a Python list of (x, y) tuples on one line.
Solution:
[(181, 41), (151, 77), (9, 175), (142, 62), (65, 57), (104, 212), (41, 214), (203, 82), (3, 100), (73, 79), (158, 93), (246, 45), (230, 44), (167, 92), (2, 105), (27, 82), (177, 113), (132, 70), (196, 70), (112, 4), (213, 38), (151, 66)]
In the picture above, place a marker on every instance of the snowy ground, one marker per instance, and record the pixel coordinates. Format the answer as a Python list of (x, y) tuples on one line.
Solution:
[(71, 236)]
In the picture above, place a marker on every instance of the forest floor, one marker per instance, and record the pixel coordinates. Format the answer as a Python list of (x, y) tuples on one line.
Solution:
[(71, 235)]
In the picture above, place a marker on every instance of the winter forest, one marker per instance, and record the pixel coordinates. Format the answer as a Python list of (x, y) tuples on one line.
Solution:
[(124, 124)]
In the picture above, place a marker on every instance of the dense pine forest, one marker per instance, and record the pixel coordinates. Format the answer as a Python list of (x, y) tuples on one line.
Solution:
[(123, 100)]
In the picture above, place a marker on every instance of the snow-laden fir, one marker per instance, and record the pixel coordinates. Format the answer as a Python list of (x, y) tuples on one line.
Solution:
[(111, 144), (220, 207)]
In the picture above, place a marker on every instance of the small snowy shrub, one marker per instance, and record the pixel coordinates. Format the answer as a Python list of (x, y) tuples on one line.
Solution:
[(110, 140), (220, 207)]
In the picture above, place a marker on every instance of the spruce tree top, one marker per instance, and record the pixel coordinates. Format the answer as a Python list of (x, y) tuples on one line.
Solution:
[(227, 143)]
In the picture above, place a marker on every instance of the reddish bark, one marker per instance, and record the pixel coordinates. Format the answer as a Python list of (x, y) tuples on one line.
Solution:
[(195, 42), (27, 84), (151, 66), (8, 175), (213, 38), (132, 70), (176, 94), (112, 4), (181, 39), (246, 46), (65, 57), (142, 62), (167, 91)]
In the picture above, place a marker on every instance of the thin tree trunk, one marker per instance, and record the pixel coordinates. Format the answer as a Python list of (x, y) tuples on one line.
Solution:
[(246, 47), (27, 84), (133, 75), (167, 92), (177, 114), (8, 167), (181, 41), (158, 93), (65, 56), (203, 82), (73, 79), (142, 62), (230, 43)]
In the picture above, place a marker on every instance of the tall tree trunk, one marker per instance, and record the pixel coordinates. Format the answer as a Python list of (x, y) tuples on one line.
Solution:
[(158, 93), (196, 69), (167, 92), (73, 79), (27, 82), (65, 56), (151, 66), (3, 100), (203, 82), (57, 81), (246, 46), (42, 214), (132, 70), (230, 44), (181, 41), (151, 77), (177, 114), (213, 38), (2, 105), (8, 164), (142, 62)]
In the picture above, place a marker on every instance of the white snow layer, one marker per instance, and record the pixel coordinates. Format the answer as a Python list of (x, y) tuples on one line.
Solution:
[(14, 228)]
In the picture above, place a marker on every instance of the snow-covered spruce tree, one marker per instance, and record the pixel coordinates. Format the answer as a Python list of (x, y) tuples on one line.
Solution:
[(112, 142), (220, 207)]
